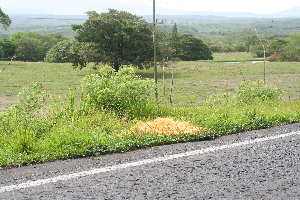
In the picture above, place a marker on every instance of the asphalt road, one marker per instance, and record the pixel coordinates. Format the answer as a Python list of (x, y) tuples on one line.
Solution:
[(262, 164)]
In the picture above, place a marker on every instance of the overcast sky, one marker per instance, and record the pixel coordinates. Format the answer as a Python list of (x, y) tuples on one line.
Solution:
[(140, 7)]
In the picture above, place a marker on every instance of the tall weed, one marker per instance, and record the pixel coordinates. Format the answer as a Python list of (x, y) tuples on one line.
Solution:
[(247, 92), (123, 92)]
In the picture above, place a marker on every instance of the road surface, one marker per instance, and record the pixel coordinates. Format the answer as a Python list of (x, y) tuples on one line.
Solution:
[(263, 164)]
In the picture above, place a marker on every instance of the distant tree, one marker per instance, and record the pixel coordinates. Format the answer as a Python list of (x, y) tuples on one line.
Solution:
[(60, 53), (8, 48), (277, 46), (72, 51), (1, 52), (120, 37), (32, 46), (249, 40), (4, 19), (291, 50), (192, 48), (175, 42)]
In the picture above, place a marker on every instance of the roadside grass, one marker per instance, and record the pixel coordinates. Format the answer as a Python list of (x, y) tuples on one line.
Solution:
[(44, 127)]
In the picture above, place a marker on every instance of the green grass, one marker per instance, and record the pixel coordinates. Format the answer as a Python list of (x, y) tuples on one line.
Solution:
[(58, 78), (41, 128), (233, 57), (193, 81)]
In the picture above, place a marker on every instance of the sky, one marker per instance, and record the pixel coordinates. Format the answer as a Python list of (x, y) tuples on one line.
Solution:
[(143, 7)]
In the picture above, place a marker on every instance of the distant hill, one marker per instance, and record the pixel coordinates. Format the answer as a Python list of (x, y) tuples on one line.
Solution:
[(290, 13), (191, 22)]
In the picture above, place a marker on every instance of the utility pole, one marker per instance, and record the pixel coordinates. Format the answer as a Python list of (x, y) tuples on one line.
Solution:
[(155, 50)]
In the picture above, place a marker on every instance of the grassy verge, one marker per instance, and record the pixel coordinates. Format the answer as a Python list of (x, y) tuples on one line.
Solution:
[(101, 132)]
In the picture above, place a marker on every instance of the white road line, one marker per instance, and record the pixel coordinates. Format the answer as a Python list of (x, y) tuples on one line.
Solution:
[(138, 163)]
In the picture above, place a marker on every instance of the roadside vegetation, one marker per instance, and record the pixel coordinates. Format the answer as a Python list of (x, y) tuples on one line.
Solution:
[(105, 113), (49, 111)]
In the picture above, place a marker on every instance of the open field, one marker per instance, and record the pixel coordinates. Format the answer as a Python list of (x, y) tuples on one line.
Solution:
[(193, 81)]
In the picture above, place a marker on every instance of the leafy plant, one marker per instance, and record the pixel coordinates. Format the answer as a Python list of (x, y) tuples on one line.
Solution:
[(122, 92), (247, 92), (250, 91)]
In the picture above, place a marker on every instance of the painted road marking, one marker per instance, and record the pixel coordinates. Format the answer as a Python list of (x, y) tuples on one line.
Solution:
[(139, 163)]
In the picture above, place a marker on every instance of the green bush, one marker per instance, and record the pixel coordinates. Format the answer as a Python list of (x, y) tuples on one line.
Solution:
[(30, 114), (123, 92), (247, 92)]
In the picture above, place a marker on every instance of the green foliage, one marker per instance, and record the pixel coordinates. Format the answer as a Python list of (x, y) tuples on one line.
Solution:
[(66, 51), (119, 37), (59, 52), (29, 114), (72, 127), (291, 49), (33, 46), (247, 92), (122, 92), (4, 19), (175, 42), (29, 134), (191, 48), (8, 48), (71, 51), (250, 91), (1, 52), (185, 47), (277, 46)]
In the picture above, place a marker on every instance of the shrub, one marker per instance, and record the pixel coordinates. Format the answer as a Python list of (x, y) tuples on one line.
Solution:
[(123, 92), (249, 91)]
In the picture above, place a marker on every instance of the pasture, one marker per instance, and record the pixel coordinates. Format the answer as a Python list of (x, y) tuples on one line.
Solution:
[(194, 81)]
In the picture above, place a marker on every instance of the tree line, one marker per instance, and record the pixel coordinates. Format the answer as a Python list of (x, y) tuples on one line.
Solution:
[(119, 38), (114, 38)]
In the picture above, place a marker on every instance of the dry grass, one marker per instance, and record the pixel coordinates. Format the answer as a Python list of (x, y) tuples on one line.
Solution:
[(167, 126)]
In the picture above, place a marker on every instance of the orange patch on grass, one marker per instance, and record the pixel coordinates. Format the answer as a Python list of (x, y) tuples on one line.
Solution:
[(162, 126)]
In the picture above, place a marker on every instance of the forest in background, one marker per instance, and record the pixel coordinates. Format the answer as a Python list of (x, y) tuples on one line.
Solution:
[(223, 34), (199, 26)]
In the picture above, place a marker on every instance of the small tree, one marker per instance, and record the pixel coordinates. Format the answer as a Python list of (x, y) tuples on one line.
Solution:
[(192, 48), (175, 42), (120, 37), (59, 52)]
